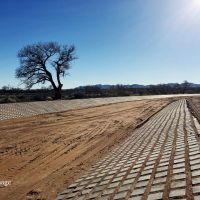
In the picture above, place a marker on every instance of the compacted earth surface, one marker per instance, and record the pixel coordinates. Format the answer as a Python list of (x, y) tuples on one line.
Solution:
[(41, 155)]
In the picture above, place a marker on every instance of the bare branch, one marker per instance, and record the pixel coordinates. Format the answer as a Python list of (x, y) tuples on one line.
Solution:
[(35, 60)]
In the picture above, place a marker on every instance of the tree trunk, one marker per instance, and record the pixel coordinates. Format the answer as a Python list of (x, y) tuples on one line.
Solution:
[(57, 94)]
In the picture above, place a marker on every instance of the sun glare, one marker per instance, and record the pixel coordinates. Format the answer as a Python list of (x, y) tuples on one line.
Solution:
[(196, 3), (191, 13)]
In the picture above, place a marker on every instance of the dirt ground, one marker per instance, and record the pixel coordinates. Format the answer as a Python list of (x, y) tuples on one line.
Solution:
[(196, 102), (42, 155)]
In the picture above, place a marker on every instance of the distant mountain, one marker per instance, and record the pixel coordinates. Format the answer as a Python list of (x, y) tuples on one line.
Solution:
[(101, 86), (98, 85), (135, 86), (107, 86)]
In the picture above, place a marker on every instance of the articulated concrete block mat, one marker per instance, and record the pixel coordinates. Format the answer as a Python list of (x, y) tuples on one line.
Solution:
[(161, 160), (17, 110)]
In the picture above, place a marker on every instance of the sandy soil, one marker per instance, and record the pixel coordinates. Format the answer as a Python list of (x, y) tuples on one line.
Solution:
[(42, 155), (196, 102)]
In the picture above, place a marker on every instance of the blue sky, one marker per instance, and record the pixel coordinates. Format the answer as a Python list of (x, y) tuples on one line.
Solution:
[(118, 41)]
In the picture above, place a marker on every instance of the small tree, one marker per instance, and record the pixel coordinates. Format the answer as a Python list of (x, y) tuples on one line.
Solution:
[(36, 61)]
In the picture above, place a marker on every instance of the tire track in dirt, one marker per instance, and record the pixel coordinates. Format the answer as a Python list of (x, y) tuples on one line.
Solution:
[(161, 160), (151, 129), (122, 150), (37, 164)]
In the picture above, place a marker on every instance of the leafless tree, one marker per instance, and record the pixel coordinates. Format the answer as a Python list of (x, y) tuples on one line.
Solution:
[(45, 62)]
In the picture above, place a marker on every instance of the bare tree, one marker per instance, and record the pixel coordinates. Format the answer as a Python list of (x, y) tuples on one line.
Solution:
[(185, 86), (45, 62)]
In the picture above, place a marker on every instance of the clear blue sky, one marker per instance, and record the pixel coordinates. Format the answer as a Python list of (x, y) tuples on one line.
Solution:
[(118, 41)]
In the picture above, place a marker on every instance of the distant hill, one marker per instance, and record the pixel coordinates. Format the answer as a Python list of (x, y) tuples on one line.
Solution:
[(107, 86), (101, 86)]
